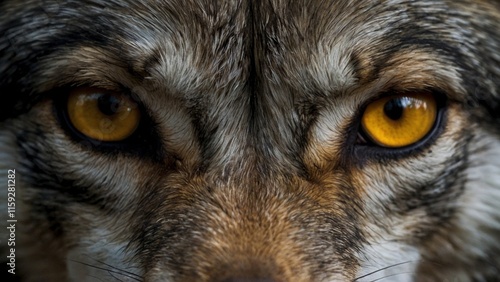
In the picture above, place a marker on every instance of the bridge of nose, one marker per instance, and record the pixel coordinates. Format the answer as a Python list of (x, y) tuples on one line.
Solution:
[(254, 210)]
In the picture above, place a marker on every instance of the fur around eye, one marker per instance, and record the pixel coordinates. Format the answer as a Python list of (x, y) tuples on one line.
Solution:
[(279, 141)]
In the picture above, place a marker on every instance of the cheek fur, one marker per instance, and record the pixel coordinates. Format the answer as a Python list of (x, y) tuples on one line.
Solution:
[(250, 166)]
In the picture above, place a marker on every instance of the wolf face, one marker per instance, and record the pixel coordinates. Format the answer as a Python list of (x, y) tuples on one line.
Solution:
[(169, 140)]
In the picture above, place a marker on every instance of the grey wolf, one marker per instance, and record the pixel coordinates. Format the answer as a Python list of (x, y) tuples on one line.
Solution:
[(169, 140)]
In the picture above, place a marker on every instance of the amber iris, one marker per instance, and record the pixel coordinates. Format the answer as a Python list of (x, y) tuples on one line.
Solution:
[(103, 115), (400, 120)]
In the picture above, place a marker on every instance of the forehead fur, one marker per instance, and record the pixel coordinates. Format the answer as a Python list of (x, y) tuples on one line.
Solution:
[(321, 45), (275, 60)]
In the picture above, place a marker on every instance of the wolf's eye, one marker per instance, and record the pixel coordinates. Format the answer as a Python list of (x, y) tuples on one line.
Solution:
[(400, 120), (102, 115)]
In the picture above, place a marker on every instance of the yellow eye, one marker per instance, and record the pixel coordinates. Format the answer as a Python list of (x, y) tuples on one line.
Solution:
[(400, 120), (103, 115)]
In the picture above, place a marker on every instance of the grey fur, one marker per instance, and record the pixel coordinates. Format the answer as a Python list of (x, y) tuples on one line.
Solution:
[(251, 166)]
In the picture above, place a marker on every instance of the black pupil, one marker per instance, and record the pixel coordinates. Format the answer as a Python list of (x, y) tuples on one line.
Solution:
[(394, 108), (108, 104)]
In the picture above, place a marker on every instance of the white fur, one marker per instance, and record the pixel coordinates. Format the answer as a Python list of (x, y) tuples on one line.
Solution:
[(111, 260)]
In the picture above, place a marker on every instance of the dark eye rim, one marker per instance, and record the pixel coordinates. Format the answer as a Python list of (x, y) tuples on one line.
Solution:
[(364, 148), (143, 142)]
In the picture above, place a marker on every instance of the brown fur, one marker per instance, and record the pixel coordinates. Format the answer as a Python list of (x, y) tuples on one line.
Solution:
[(250, 165)]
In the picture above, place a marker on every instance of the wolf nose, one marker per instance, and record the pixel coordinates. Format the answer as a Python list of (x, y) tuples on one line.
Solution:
[(245, 279)]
